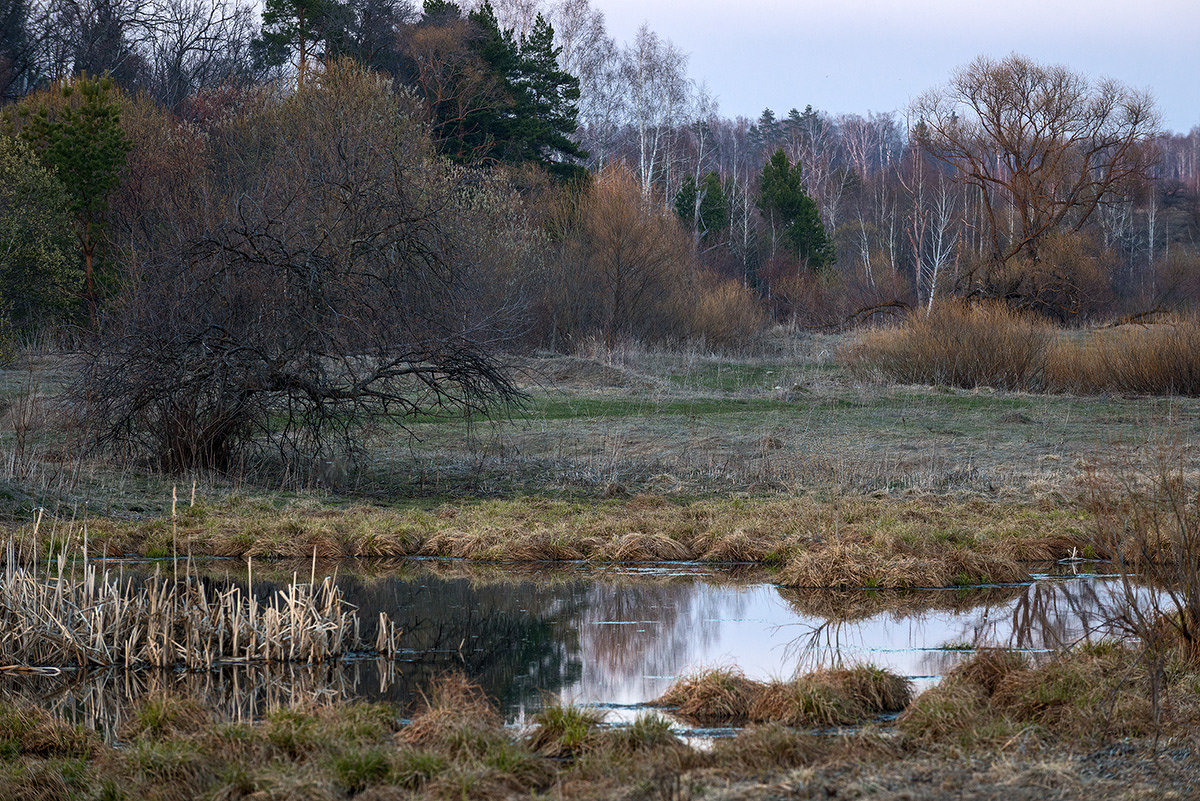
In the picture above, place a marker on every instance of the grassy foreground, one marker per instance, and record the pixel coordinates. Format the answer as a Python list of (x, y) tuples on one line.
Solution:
[(1062, 717)]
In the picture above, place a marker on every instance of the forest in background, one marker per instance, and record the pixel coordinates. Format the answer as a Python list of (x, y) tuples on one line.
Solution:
[(270, 227)]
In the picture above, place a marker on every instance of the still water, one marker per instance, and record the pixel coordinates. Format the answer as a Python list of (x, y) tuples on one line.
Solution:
[(612, 637)]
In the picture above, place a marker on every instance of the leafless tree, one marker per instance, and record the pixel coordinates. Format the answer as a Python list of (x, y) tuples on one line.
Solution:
[(655, 76), (195, 44), (1044, 146), (321, 286)]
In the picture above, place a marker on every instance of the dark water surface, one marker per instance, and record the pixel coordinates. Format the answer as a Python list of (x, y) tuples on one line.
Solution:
[(614, 637)]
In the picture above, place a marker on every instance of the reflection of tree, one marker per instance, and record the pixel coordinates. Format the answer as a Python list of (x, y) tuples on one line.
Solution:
[(1045, 615), (840, 622), (633, 629), (511, 638)]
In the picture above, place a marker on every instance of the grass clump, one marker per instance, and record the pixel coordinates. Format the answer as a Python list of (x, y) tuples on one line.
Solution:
[(832, 697), (33, 732), (160, 714), (648, 732), (821, 698), (722, 696), (849, 564), (1083, 695), (456, 718), (765, 749), (565, 731)]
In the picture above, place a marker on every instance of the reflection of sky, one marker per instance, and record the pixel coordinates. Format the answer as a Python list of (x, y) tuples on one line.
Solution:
[(632, 652)]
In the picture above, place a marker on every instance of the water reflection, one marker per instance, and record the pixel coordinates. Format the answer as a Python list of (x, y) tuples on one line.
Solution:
[(613, 637)]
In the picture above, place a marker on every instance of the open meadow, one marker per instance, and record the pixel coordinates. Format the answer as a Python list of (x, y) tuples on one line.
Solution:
[(806, 490)]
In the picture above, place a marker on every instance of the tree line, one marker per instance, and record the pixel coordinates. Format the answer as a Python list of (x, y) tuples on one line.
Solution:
[(265, 231)]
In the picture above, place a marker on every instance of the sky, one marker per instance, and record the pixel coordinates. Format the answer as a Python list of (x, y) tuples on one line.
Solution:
[(875, 55)]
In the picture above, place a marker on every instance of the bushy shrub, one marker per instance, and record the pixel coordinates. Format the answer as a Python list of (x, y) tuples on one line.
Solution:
[(325, 276), (958, 344), (1158, 359)]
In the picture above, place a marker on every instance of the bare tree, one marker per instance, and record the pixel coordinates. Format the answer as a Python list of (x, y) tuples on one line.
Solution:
[(591, 55), (195, 44), (322, 284), (1044, 146), (655, 76)]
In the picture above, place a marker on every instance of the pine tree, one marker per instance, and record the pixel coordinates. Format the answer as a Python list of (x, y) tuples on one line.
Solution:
[(783, 199), (538, 105), (294, 26), (85, 147), (547, 111)]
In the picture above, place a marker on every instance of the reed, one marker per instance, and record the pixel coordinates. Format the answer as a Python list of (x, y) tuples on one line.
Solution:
[(90, 617)]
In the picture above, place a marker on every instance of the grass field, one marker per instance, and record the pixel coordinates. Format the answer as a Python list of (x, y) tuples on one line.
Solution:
[(641, 455)]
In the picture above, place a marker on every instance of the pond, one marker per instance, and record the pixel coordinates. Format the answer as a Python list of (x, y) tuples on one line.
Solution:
[(613, 637)]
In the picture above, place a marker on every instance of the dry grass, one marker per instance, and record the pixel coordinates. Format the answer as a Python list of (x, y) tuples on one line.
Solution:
[(853, 565), (959, 345), (844, 541), (1158, 359), (712, 697), (763, 750), (1089, 694), (102, 619), (456, 748), (456, 716), (831, 697), (822, 698), (565, 732)]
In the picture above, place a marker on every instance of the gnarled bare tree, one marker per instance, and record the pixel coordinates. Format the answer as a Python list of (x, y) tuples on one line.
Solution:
[(324, 280), (1044, 145)]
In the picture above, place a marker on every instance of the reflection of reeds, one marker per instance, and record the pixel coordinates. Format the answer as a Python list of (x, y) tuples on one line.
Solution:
[(94, 619), (105, 699)]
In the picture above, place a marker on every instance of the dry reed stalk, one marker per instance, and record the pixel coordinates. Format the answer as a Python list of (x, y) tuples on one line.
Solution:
[(98, 619)]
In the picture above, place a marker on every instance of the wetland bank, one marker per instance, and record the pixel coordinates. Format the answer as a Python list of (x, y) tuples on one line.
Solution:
[(665, 576)]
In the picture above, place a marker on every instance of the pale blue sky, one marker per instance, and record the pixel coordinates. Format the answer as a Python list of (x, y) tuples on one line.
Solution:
[(860, 55)]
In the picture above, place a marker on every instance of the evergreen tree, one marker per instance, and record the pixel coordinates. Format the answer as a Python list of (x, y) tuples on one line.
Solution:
[(547, 110), (791, 211), (532, 108), (438, 12), (85, 147), (295, 26), (712, 216), (768, 128)]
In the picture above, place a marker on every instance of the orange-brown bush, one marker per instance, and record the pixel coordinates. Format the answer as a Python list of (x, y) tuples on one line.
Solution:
[(1158, 359), (626, 269), (958, 344), (725, 313), (988, 344)]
